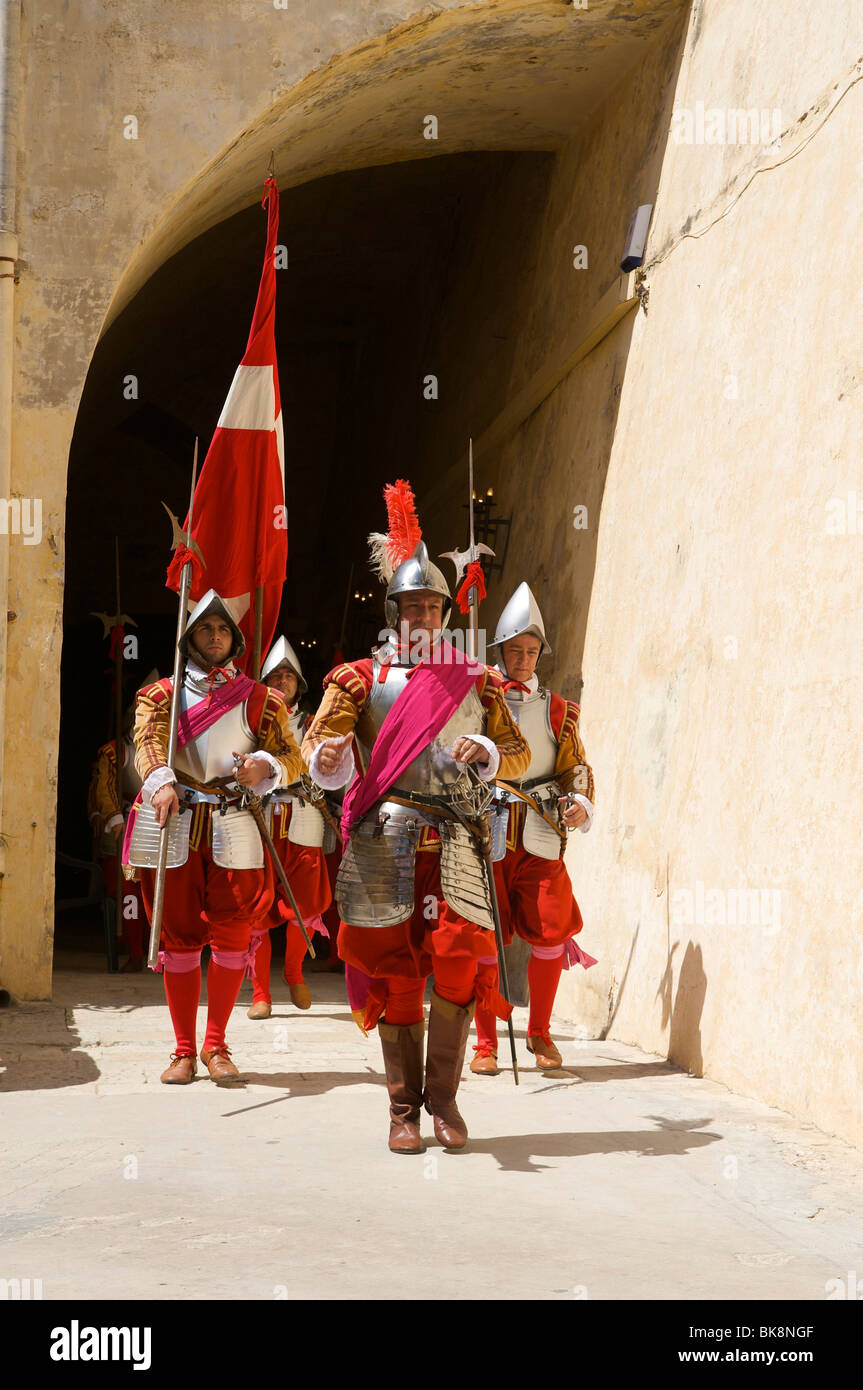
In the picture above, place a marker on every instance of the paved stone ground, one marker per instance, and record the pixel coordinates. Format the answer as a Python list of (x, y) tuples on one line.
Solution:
[(618, 1177)]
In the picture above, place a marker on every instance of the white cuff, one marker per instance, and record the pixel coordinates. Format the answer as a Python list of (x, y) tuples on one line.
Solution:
[(485, 771), (588, 806), (270, 783), (159, 777), (331, 781), (114, 820)]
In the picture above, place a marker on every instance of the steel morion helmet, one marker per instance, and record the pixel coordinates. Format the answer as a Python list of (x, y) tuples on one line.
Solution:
[(521, 617), (211, 604), (412, 575), (281, 653)]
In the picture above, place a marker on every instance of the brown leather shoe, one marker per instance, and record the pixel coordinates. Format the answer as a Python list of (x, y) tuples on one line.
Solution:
[(219, 1065), (402, 1049), (449, 1025), (300, 995), (260, 1010), (180, 1072), (547, 1056), (484, 1063)]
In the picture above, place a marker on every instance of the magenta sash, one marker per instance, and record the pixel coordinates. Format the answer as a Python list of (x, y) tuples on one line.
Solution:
[(191, 724), (432, 694), (194, 722)]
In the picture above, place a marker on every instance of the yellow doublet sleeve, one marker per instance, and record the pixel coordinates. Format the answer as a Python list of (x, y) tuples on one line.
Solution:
[(502, 729), (336, 715), (572, 769), (275, 738), (152, 714), (102, 795)]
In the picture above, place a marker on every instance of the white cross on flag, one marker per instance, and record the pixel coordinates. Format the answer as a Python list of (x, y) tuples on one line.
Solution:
[(240, 522)]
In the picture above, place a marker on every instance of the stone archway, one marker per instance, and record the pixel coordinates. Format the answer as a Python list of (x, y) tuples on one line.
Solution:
[(513, 82)]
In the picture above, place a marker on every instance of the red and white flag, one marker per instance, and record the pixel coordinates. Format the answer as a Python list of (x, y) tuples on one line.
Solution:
[(240, 520)]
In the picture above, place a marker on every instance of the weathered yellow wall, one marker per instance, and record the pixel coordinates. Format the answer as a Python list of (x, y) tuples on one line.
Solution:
[(722, 666)]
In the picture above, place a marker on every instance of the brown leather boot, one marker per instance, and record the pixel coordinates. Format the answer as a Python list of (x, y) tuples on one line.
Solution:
[(449, 1026), (403, 1063)]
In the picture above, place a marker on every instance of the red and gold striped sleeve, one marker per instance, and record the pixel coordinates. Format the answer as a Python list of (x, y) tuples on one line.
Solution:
[(502, 729), (102, 794), (345, 695), (275, 737), (572, 770), (152, 720)]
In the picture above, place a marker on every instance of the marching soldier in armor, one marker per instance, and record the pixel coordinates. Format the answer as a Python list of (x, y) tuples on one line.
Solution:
[(107, 811), (411, 889), (302, 837), (553, 795), (219, 884)]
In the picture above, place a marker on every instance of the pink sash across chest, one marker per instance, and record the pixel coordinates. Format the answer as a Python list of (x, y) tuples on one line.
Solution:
[(194, 722), (432, 694)]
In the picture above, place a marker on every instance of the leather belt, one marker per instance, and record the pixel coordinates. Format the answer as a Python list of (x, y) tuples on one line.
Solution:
[(433, 806), (216, 788), (534, 806)]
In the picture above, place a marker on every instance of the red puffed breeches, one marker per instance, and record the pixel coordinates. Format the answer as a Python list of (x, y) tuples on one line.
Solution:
[(433, 940), (205, 904)]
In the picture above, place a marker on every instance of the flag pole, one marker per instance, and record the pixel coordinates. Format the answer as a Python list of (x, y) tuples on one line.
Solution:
[(259, 617), (120, 755), (179, 666)]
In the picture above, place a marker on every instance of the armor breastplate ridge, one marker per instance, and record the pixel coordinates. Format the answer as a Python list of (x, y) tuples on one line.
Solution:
[(532, 713), (433, 771), (297, 722)]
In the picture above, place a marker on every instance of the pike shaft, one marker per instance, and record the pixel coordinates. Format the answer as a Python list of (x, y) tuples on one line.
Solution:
[(162, 861), (254, 806)]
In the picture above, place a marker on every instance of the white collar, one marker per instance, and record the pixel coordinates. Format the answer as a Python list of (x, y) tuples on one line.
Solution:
[(532, 684), (199, 674)]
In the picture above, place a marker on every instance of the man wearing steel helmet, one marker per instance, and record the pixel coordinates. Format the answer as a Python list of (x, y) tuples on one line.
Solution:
[(301, 836), (533, 886), (219, 883), (411, 892)]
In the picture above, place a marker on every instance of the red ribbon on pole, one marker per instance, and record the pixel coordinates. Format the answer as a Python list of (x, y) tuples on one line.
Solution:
[(473, 578)]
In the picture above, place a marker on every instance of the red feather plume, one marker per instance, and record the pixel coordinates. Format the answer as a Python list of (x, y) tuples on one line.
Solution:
[(404, 531), (404, 528)]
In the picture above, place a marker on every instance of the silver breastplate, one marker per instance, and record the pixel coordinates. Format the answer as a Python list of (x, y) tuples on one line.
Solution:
[(533, 717), (433, 771), (211, 753), (297, 722)]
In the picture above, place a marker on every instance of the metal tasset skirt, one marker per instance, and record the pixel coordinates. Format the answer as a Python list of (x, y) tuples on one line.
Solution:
[(375, 883), (236, 841)]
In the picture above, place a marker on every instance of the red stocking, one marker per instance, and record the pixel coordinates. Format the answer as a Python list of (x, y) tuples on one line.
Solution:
[(295, 952), (542, 978), (223, 986), (486, 1023), (261, 977), (183, 991)]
